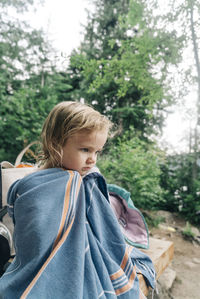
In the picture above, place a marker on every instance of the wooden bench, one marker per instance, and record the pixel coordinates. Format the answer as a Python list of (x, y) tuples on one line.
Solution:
[(161, 253)]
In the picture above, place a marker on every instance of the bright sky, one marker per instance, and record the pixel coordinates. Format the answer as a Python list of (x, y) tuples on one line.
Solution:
[(175, 136), (62, 19)]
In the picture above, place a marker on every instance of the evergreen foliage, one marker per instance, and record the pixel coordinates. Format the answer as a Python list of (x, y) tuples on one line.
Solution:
[(181, 191), (30, 85), (121, 68), (135, 165), (117, 68)]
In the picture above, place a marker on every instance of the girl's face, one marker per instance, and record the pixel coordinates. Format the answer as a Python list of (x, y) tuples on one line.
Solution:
[(80, 150)]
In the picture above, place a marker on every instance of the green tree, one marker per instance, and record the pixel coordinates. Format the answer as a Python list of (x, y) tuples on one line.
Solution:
[(181, 191), (184, 17), (121, 66), (181, 179), (30, 84), (135, 165), (192, 9)]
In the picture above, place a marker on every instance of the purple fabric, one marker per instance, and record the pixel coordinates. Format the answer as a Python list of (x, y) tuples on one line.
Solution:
[(130, 220)]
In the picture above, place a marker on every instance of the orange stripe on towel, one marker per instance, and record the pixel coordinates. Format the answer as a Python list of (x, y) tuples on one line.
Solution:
[(125, 259), (57, 246), (116, 275), (128, 286), (120, 272), (33, 282), (65, 208)]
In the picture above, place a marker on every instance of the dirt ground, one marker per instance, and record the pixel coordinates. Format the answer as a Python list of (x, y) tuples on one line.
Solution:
[(186, 261)]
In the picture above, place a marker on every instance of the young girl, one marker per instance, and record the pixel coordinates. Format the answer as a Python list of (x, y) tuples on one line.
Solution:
[(73, 135), (67, 239)]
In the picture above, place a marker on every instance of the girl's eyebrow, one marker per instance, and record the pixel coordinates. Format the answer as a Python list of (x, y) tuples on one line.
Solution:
[(90, 147)]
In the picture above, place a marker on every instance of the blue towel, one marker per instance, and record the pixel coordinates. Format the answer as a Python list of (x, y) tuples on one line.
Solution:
[(68, 241)]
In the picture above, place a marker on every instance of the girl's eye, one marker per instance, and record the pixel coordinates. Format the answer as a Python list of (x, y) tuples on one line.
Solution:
[(85, 150)]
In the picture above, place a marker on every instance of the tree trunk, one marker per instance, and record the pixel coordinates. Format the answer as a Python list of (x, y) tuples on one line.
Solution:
[(197, 64)]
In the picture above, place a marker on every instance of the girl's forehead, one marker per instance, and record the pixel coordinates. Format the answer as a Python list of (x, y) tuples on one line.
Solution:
[(97, 136)]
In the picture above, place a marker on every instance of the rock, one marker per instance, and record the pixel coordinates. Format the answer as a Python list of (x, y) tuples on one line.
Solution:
[(160, 293), (168, 216), (197, 240), (190, 264), (195, 231), (196, 243), (191, 233), (157, 236), (167, 228), (167, 278), (196, 260)]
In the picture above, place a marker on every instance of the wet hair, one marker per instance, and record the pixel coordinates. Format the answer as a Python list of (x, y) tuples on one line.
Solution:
[(65, 120)]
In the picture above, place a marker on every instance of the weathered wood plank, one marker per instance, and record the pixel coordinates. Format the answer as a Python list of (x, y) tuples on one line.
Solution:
[(161, 252)]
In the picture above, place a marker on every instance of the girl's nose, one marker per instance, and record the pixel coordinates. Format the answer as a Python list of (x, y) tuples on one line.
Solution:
[(92, 159)]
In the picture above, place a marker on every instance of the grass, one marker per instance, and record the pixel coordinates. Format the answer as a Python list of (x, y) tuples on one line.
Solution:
[(187, 231)]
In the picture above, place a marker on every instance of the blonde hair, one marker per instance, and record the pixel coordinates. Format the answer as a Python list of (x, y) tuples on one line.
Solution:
[(65, 120)]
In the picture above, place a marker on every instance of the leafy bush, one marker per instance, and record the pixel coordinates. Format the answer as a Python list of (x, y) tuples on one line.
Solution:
[(187, 232), (134, 165), (182, 188), (23, 113)]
